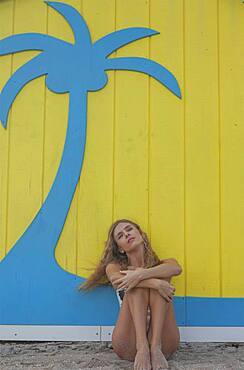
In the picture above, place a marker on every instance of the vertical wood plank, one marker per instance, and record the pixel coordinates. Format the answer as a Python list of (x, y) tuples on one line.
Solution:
[(231, 52), (131, 125), (96, 182), (26, 131), (202, 149), (166, 201)]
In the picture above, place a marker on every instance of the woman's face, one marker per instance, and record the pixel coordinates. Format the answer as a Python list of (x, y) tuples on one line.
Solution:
[(127, 236)]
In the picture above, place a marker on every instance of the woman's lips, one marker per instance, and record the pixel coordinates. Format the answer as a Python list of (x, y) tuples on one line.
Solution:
[(130, 239)]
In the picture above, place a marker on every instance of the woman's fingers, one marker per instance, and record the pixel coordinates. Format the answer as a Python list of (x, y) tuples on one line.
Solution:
[(118, 281), (164, 295), (172, 289), (170, 298), (121, 286), (167, 298)]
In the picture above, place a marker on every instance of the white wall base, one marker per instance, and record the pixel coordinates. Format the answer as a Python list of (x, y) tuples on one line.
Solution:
[(104, 333), (196, 334), (212, 334), (50, 333)]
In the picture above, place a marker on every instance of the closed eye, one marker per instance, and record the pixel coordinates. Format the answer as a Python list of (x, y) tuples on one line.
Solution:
[(127, 228)]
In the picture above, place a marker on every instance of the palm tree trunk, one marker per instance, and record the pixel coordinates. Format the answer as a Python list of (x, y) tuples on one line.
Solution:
[(34, 289), (40, 238)]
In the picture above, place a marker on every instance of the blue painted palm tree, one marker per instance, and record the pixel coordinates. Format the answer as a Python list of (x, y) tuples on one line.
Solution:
[(31, 280)]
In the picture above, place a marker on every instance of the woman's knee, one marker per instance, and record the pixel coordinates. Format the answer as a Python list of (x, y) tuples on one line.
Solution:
[(169, 349), (168, 353), (123, 351), (155, 297)]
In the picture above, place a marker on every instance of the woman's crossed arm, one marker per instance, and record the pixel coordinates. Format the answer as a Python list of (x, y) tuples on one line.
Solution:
[(154, 277)]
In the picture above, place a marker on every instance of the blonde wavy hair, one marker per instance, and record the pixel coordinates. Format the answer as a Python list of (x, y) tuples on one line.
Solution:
[(111, 253)]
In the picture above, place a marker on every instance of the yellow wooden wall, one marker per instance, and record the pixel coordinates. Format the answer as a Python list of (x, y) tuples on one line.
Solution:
[(174, 166)]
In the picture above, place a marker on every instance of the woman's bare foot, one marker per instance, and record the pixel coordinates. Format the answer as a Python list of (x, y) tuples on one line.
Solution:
[(142, 359), (159, 362)]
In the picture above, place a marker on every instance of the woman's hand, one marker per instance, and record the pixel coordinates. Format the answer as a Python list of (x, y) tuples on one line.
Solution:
[(166, 290), (130, 280)]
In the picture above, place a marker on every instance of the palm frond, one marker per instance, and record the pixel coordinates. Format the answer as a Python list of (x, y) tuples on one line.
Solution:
[(148, 67), (79, 27), (28, 72), (28, 41), (115, 40)]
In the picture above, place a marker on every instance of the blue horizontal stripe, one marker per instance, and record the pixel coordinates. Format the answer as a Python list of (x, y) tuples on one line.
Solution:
[(202, 311), (67, 306)]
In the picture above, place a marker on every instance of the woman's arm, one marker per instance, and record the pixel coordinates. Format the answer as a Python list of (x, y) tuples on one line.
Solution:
[(165, 289), (165, 271), (167, 268), (115, 277)]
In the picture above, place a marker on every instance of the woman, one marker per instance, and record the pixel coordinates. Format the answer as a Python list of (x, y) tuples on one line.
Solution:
[(146, 330)]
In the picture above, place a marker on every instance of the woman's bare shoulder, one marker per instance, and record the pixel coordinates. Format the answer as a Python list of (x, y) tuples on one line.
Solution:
[(113, 267), (113, 272)]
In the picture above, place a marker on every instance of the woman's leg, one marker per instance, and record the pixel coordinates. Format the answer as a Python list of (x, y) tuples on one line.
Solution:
[(159, 309), (170, 333), (124, 335), (129, 338), (163, 333)]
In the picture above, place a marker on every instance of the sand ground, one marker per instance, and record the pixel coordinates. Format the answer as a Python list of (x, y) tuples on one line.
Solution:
[(100, 355)]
